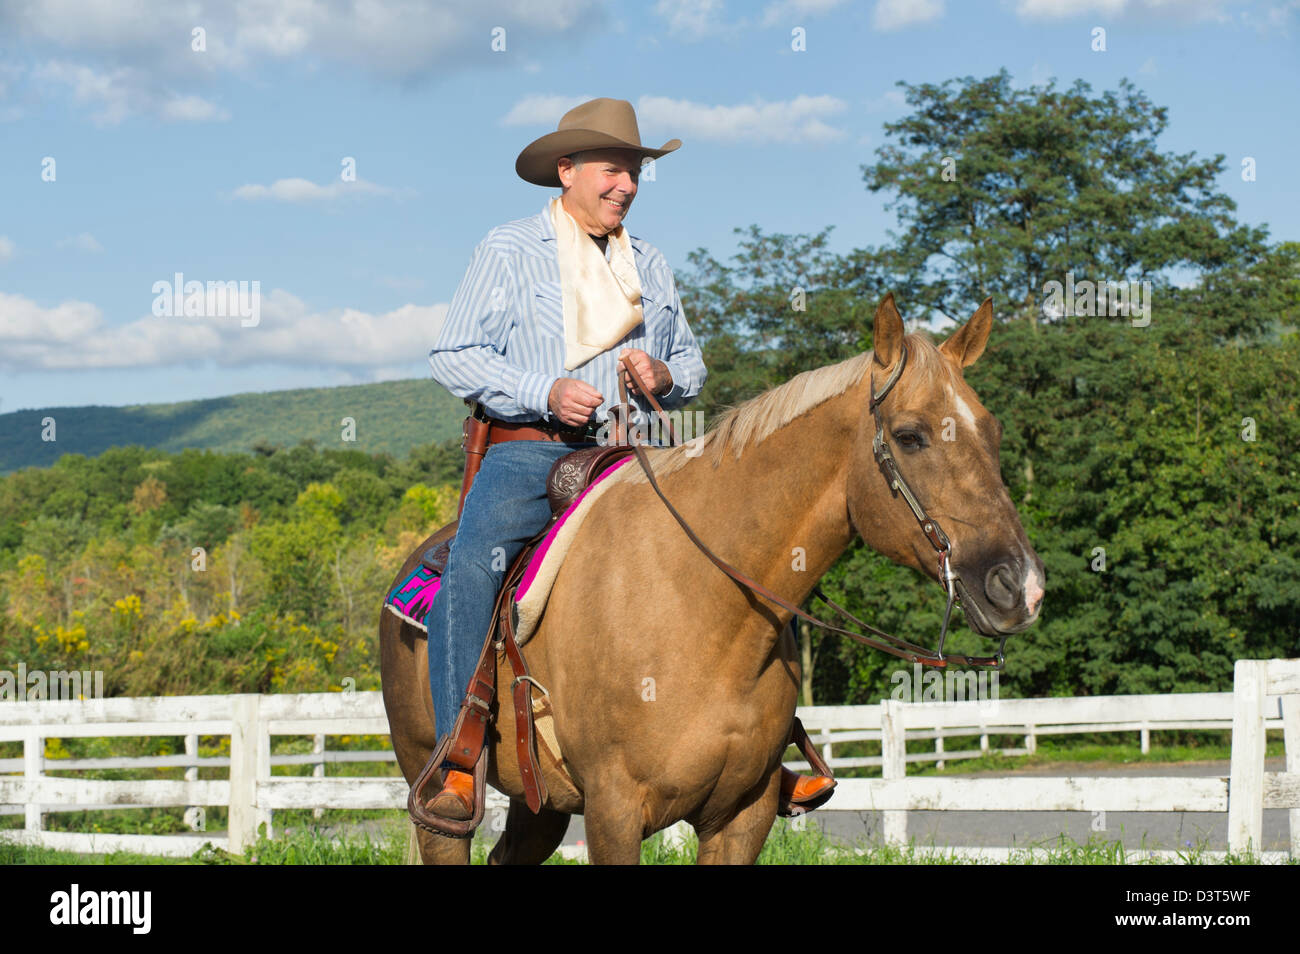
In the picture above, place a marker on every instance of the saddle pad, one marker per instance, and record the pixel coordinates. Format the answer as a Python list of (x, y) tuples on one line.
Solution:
[(535, 585), (413, 597)]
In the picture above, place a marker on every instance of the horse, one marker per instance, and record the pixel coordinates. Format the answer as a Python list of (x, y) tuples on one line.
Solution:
[(673, 687)]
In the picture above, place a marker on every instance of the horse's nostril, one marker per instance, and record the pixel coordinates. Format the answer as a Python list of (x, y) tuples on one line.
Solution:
[(1002, 587)]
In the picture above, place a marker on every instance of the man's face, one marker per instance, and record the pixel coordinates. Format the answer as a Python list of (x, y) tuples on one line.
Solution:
[(599, 193)]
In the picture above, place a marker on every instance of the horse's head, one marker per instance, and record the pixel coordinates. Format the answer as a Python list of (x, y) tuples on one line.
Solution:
[(944, 445)]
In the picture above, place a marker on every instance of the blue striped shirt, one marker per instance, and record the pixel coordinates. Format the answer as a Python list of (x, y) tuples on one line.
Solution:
[(502, 343)]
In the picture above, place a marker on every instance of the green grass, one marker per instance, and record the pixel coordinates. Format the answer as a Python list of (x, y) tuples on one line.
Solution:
[(786, 845)]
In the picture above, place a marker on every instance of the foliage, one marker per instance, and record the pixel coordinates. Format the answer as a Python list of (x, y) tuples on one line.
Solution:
[(1124, 437), (238, 573)]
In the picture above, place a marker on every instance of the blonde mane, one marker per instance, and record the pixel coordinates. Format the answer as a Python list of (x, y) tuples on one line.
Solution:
[(751, 422)]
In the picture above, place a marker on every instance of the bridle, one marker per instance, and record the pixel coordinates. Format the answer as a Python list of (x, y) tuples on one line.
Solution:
[(888, 643), (952, 583)]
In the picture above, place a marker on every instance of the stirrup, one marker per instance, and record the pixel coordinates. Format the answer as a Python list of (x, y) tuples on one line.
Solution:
[(788, 807), (430, 782)]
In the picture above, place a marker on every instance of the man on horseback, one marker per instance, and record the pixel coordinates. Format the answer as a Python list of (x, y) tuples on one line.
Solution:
[(535, 334)]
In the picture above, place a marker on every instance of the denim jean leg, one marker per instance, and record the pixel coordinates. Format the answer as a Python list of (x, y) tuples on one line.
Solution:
[(506, 506)]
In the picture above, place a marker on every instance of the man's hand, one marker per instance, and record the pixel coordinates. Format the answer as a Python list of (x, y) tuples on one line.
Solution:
[(651, 370), (572, 401)]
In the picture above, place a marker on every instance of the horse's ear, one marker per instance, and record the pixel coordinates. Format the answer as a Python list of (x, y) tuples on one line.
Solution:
[(967, 343), (887, 333)]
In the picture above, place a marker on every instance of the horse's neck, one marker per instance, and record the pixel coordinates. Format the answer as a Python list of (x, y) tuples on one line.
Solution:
[(783, 501)]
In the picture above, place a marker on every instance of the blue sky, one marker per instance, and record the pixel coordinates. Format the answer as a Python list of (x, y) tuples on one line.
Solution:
[(224, 164)]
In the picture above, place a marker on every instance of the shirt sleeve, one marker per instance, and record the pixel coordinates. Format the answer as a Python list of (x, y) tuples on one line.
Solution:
[(468, 358), (685, 361)]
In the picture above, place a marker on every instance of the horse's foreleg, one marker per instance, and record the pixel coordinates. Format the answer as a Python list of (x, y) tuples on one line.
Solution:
[(439, 850), (529, 839), (614, 817), (739, 840)]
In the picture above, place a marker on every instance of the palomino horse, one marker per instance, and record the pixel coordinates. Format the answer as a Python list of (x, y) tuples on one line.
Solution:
[(673, 687)]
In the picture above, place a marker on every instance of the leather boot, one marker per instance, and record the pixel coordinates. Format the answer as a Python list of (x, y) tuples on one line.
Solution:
[(803, 793), (456, 799)]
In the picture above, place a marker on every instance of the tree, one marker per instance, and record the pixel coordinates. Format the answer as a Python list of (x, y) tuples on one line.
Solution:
[(999, 190), (782, 308)]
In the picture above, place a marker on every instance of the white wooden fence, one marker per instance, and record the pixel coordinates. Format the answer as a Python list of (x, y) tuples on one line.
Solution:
[(1266, 695)]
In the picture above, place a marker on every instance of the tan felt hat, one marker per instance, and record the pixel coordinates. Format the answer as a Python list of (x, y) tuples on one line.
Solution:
[(599, 124)]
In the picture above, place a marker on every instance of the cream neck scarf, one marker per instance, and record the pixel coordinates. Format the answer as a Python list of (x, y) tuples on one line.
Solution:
[(602, 299)]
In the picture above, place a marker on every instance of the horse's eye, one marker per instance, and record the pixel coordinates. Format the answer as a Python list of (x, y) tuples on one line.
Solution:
[(910, 440)]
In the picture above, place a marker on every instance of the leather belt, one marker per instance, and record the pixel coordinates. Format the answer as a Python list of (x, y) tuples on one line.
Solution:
[(499, 431)]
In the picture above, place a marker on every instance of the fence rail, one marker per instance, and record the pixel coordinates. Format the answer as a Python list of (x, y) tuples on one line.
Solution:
[(1266, 694)]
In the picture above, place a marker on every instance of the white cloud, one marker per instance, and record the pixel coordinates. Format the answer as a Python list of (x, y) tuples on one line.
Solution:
[(121, 92), (691, 19), (1276, 20), (896, 14), (1179, 10), (786, 11), (541, 110), (85, 242), (798, 120), (191, 109), (6, 248), (73, 335), (304, 190), (396, 38), (1058, 9), (888, 101)]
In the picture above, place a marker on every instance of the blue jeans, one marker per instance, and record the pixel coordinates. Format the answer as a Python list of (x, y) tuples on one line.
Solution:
[(505, 508)]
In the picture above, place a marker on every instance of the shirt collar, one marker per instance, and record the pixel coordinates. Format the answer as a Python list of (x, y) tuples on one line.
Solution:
[(547, 228)]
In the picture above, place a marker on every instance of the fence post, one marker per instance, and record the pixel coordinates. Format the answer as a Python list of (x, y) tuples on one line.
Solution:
[(33, 770), (262, 816), (1031, 740), (675, 836), (244, 733), (938, 750), (1246, 785), (893, 764), (318, 770), (194, 815), (1291, 740), (1145, 736)]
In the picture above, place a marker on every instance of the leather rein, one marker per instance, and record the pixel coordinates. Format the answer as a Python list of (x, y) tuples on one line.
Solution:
[(888, 643)]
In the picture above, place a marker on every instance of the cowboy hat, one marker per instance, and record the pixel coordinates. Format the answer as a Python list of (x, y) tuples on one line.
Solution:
[(599, 124)]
